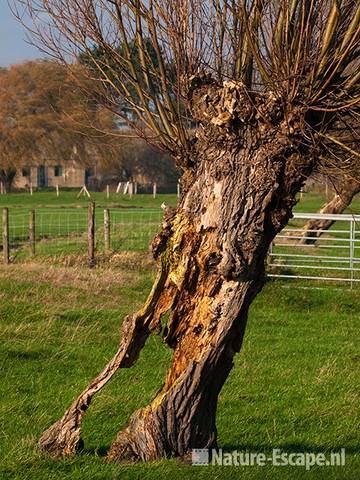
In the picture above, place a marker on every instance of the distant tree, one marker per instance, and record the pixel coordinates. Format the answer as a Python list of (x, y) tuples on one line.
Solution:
[(132, 158), (7, 176), (44, 118), (15, 143), (343, 173)]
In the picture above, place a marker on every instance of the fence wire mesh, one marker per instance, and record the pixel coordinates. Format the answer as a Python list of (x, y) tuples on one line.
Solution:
[(65, 230), (335, 255)]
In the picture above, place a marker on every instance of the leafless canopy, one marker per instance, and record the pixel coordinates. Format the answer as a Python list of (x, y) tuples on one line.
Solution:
[(304, 51)]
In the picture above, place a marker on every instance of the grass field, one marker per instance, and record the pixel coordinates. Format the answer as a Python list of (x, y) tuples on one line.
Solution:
[(61, 222), (295, 385), (61, 226), (134, 220), (69, 198)]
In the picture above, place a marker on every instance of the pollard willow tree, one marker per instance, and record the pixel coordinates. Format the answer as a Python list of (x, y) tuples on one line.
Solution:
[(255, 89)]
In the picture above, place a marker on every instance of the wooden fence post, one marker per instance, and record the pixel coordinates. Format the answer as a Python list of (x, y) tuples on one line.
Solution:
[(107, 230), (107, 191), (154, 190), (32, 231), (5, 225), (91, 234)]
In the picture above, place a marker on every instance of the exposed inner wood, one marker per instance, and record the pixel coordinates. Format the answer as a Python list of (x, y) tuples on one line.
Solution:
[(248, 163)]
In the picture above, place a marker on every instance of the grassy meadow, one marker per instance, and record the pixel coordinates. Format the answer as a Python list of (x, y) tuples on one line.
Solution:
[(61, 222), (295, 384), (61, 230)]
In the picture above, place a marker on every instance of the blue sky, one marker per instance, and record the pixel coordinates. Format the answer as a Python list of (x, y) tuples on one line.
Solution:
[(13, 47)]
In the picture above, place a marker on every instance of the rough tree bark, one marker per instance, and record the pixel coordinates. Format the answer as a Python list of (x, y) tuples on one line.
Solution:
[(238, 192), (314, 229)]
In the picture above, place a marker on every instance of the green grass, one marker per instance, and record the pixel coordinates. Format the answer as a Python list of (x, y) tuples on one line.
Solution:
[(69, 198), (295, 384), (312, 201), (61, 225), (61, 222)]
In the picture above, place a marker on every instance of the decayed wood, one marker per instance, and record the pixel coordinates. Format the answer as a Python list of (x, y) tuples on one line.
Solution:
[(344, 195), (5, 235), (238, 195), (217, 272)]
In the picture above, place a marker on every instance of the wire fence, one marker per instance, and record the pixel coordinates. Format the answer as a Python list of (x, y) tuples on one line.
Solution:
[(334, 254), (66, 230), (133, 230)]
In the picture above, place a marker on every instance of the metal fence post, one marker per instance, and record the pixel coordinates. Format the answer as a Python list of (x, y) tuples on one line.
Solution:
[(106, 230), (352, 251), (32, 231), (91, 234), (5, 225)]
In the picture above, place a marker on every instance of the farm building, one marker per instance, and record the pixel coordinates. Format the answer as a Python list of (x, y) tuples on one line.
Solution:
[(71, 175)]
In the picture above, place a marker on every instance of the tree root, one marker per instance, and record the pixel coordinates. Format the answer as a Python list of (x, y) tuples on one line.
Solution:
[(137, 442)]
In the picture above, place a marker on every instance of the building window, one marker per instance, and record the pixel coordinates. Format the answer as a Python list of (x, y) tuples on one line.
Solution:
[(58, 171), (26, 172)]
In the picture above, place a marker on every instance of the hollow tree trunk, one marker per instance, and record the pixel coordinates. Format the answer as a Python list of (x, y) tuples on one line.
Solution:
[(238, 192), (343, 197)]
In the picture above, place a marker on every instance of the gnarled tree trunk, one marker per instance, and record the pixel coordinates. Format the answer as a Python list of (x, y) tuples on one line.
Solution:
[(314, 229), (239, 189)]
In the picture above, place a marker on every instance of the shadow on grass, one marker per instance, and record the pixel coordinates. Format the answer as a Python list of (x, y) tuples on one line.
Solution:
[(27, 355), (101, 451)]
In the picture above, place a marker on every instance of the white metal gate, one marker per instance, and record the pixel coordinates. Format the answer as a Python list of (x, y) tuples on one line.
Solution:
[(335, 256)]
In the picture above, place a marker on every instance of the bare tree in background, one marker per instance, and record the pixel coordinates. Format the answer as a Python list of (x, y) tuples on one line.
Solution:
[(346, 188), (345, 180), (250, 108), (132, 159)]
